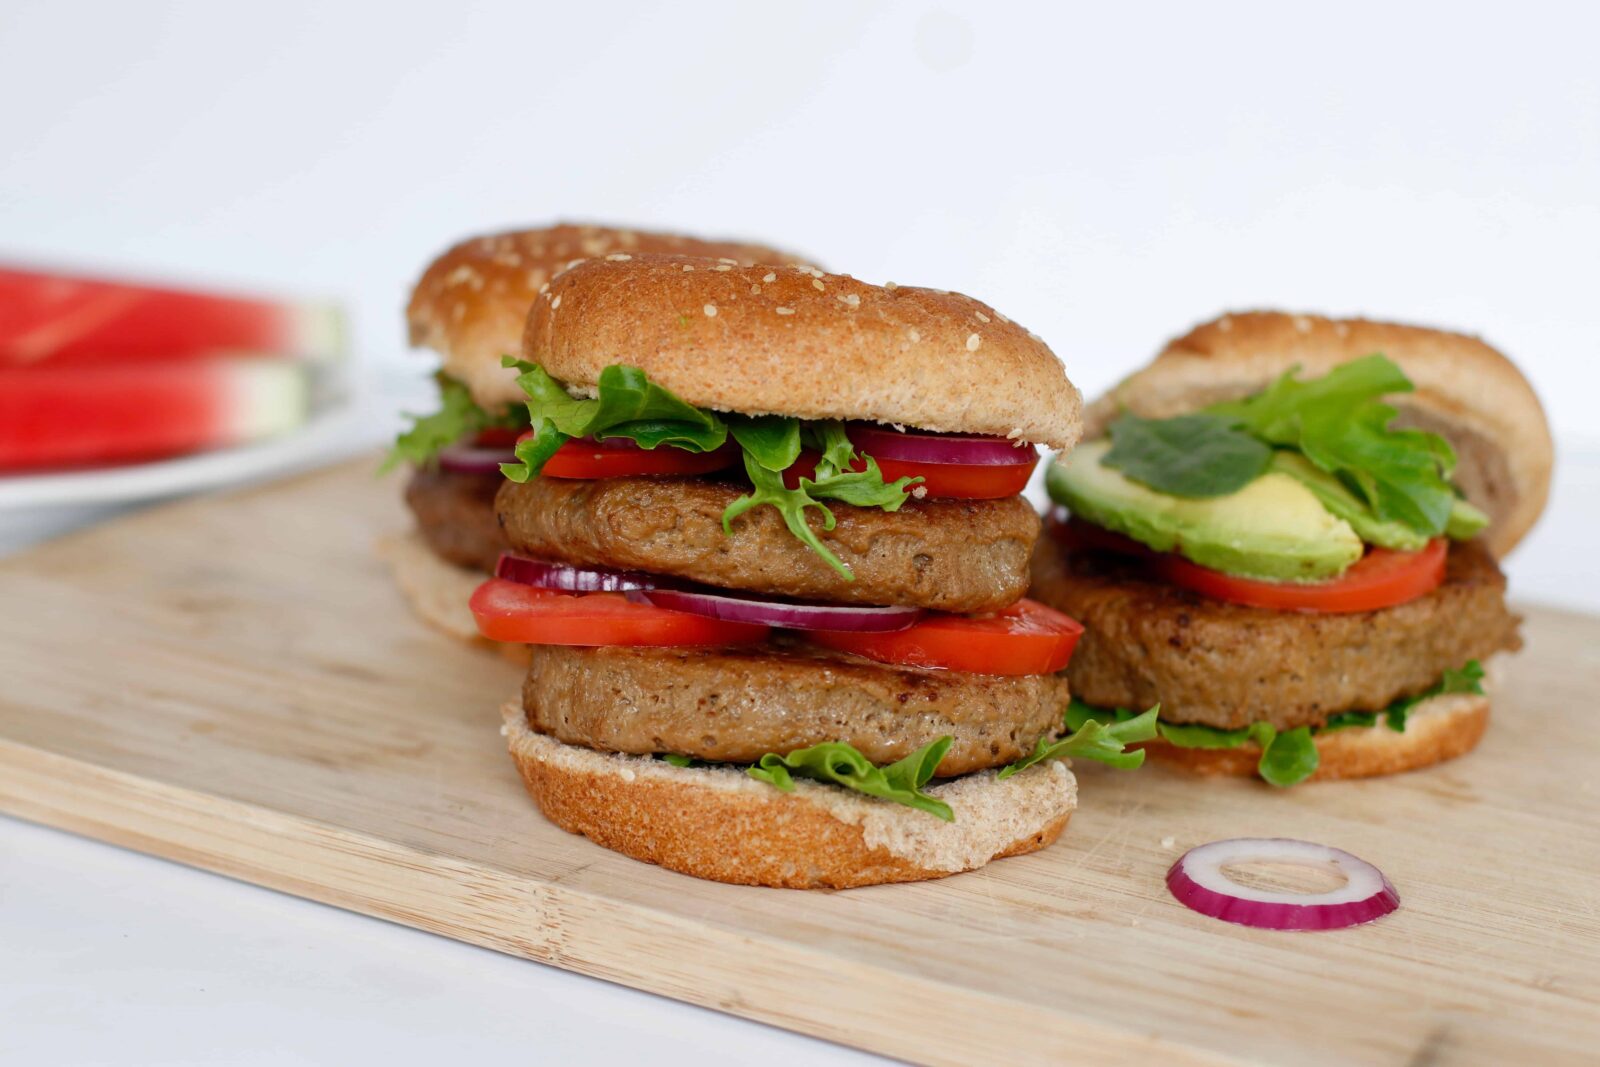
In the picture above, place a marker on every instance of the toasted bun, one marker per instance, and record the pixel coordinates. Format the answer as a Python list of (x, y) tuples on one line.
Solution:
[(795, 341), (1438, 729), (437, 590), (1466, 390), (721, 824), (472, 302)]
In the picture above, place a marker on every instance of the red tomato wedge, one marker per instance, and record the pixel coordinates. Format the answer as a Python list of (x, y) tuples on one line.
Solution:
[(521, 614), (54, 416), (621, 458), (1025, 638), (951, 481), (64, 320), (1383, 578)]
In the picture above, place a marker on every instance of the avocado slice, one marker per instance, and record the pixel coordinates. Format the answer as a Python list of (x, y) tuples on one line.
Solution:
[(1274, 528)]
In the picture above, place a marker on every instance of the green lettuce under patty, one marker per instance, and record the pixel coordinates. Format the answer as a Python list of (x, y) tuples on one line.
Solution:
[(902, 782), (1290, 756), (627, 404)]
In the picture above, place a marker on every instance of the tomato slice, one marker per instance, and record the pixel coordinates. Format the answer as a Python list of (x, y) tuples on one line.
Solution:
[(1383, 578), (522, 614), (1025, 638), (951, 481), (621, 458)]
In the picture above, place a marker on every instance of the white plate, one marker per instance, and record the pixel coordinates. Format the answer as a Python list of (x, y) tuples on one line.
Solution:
[(329, 434)]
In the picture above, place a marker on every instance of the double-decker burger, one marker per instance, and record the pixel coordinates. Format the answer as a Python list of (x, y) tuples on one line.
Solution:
[(1285, 531), (470, 306), (768, 552)]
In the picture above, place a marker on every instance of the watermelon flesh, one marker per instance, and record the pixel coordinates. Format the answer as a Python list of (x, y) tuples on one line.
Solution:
[(61, 416), (68, 321)]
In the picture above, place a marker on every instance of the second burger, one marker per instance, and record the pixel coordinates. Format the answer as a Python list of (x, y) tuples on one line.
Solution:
[(769, 550)]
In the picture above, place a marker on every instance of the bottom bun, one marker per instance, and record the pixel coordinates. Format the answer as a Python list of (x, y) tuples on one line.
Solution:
[(1439, 728), (721, 824), (438, 590)]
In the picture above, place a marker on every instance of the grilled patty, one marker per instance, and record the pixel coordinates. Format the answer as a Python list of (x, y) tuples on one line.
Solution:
[(737, 704), (949, 555), (1227, 665), (455, 515)]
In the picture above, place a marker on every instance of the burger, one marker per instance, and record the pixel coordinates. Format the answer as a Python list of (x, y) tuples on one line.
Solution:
[(1285, 531), (470, 307), (768, 553)]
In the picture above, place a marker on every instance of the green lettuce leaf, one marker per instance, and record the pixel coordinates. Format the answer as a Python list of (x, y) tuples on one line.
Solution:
[(626, 404), (841, 764), (1286, 758), (1339, 423), (458, 417), (1096, 739), (772, 445), (677, 759), (1187, 456), (1469, 679)]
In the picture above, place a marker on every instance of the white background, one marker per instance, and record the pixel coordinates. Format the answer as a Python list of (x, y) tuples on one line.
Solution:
[(1107, 174)]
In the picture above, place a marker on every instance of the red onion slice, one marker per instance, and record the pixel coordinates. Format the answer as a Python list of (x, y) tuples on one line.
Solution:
[(917, 446), (1198, 882), (838, 617), (568, 579), (465, 458)]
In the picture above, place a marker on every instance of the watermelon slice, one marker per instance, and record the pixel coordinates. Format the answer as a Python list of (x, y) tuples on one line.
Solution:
[(54, 417), (48, 318)]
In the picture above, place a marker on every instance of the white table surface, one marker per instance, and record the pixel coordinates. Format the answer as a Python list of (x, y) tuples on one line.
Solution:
[(109, 956)]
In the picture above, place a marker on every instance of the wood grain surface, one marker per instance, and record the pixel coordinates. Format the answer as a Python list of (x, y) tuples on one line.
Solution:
[(232, 682)]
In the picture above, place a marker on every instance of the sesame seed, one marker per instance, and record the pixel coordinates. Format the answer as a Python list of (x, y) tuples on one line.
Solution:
[(784, 311), (619, 257), (722, 266), (711, 311), (1224, 324), (914, 334), (890, 285), (1013, 435), (851, 300), (729, 262), (755, 290), (462, 275), (981, 316), (973, 341), (920, 492), (556, 302), (544, 288), (1002, 318), (1302, 324), (687, 268), (770, 278), (817, 285), (1342, 328)]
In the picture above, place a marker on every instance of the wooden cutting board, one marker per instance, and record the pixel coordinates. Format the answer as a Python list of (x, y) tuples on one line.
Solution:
[(232, 682)]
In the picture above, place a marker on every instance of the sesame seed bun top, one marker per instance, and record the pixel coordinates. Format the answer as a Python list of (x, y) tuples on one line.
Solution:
[(799, 342), (472, 302), (1465, 390)]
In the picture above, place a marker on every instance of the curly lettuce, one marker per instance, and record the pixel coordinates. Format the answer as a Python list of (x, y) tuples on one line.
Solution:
[(772, 445), (1105, 740), (627, 404), (458, 417), (842, 764)]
